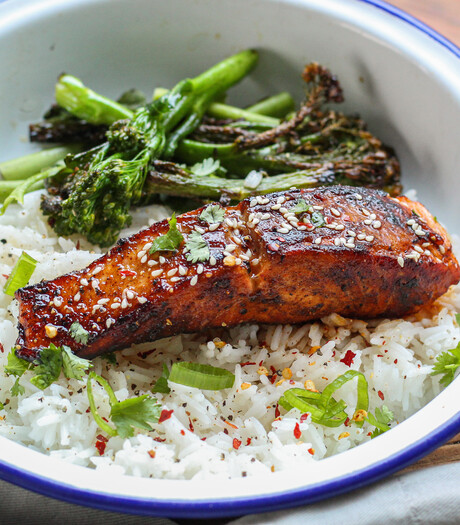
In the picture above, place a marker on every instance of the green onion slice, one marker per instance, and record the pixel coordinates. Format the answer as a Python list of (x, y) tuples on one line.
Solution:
[(205, 377), (21, 273), (92, 404)]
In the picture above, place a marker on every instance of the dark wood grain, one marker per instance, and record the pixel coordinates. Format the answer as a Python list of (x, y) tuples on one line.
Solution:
[(441, 15)]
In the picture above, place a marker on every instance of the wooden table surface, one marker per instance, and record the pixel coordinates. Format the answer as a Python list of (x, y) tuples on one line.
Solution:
[(444, 17)]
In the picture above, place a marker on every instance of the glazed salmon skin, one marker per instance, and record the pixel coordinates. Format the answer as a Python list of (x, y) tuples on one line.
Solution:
[(354, 251)]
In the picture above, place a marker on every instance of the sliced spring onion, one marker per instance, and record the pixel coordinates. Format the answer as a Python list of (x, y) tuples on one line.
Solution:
[(21, 273), (92, 404), (205, 377)]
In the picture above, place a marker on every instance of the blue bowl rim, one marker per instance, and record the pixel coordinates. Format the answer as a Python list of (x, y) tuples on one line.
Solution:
[(252, 504)]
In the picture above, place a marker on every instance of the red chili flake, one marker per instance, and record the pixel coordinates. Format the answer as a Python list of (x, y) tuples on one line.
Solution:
[(77, 245), (127, 272), (151, 453), (273, 378), (160, 440), (277, 411), (304, 417), (380, 393), (328, 220), (5, 276), (261, 363), (281, 239), (379, 355), (100, 437), (291, 382), (346, 218), (348, 359), (230, 424), (165, 414), (247, 363), (236, 443), (311, 451), (369, 433), (88, 410), (273, 247), (100, 445), (225, 430), (396, 361), (248, 441), (2, 349), (190, 425), (273, 369), (105, 419), (346, 422), (182, 432), (297, 431), (333, 353), (386, 351), (203, 439)]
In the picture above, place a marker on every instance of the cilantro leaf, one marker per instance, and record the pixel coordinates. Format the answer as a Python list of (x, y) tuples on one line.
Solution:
[(383, 416), (111, 358), (49, 367), (447, 363), (301, 207), (78, 333), (170, 241), (207, 167), (17, 389), (74, 367), (213, 214), (16, 366), (135, 412), (198, 248), (162, 382), (317, 219)]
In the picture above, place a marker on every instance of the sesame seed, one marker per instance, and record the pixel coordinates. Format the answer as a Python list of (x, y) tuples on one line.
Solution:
[(335, 212), (264, 200), (156, 273), (162, 259), (376, 224), (410, 222), (401, 261), (427, 252), (318, 240), (255, 261), (109, 322), (318, 207), (372, 216), (251, 217), (420, 232), (337, 241), (265, 216), (103, 301), (199, 229), (350, 244), (340, 227), (152, 262), (301, 228), (276, 207), (144, 259), (172, 272), (229, 260), (124, 303), (368, 222), (94, 283), (147, 247), (141, 254), (230, 247), (367, 213), (283, 210), (213, 226), (130, 294), (212, 260), (244, 257), (199, 269), (114, 306), (237, 240), (142, 300), (361, 236), (253, 203), (238, 261), (51, 331), (58, 301), (175, 279), (256, 221), (182, 270), (358, 196), (418, 249), (194, 280), (84, 282), (280, 200), (369, 238), (77, 296), (442, 249), (282, 230), (97, 270)]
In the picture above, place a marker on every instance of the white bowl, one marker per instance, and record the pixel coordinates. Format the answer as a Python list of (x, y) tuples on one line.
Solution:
[(402, 77)]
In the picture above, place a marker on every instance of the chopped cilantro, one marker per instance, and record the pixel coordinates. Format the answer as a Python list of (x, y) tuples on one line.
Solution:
[(383, 416), (198, 248), (74, 367), (49, 367), (301, 207), (170, 241), (317, 219), (162, 382), (446, 364), (2, 406), (135, 412), (78, 333), (17, 389), (207, 167), (213, 214), (16, 366)]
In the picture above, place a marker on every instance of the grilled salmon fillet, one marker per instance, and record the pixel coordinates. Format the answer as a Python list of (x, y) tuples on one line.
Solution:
[(286, 257)]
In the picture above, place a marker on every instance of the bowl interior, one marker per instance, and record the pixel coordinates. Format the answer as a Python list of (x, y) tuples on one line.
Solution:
[(404, 83)]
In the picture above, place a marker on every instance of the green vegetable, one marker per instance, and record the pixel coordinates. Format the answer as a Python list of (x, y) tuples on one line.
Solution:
[(198, 248), (213, 214), (446, 364), (162, 382), (317, 219), (380, 421), (205, 377), (78, 333), (110, 179), (17, 389), (111, 358), (301, 207), (16, 366), (170, 241), (457, 319), (135, 412), (20, 274)]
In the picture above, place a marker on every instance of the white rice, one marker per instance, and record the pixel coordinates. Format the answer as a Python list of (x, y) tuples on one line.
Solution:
[(228, 433)]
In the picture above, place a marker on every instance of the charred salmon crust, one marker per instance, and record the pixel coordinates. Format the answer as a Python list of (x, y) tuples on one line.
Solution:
[(286, 257)]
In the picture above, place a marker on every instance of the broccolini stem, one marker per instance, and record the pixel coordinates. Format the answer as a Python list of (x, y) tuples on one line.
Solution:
[(23, 167), (278, 105), (86, 104), (224, 111)]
